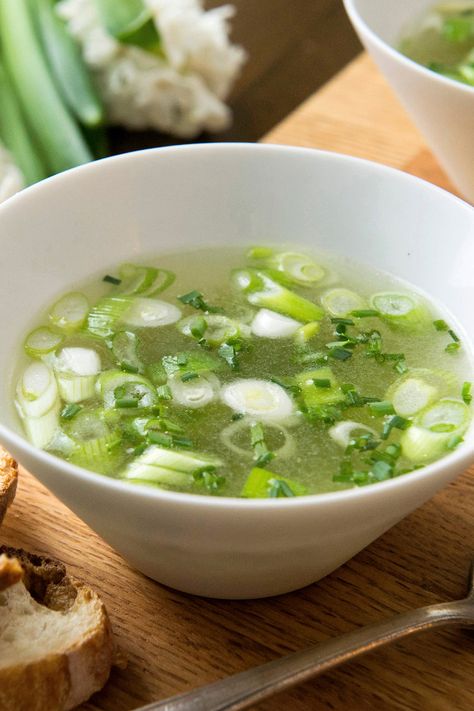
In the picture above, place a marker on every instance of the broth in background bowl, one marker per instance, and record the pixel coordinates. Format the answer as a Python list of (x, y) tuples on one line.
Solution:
[(443, 109)]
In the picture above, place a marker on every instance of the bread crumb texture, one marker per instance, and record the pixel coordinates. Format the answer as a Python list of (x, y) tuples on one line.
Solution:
[(56, 646), (8, 481)]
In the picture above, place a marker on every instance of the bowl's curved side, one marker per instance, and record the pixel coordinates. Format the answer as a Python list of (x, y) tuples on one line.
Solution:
[(98, 215), (442, 109), (236, 551)]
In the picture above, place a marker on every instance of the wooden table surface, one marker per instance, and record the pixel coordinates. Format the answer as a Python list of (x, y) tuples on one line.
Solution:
[(174, 642)]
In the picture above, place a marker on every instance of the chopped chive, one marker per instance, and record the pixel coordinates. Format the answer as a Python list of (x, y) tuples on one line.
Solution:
[(322, 382), (209, 480), (112, 280), (452, 347), (229, 352), (466, 392), (364, 313), (399, 422), (198, 327), (454, 336), (70, 410), (183, 442), (189, 376), (340, 353), (237, 416), (440, 325), (279, 488), (165, 440), (139, 449), (382, 470), (126, 402), (196, 300), (383, 407), (164, 392)]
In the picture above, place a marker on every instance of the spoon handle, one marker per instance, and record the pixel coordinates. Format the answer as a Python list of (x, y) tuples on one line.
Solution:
[(242, 690)]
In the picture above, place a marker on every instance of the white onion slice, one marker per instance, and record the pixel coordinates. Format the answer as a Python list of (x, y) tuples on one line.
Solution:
[(261, 399), (150, 313), (269, 324)]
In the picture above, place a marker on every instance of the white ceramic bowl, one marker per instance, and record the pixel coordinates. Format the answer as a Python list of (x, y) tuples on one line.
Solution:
[(443, 109), (67, 227)]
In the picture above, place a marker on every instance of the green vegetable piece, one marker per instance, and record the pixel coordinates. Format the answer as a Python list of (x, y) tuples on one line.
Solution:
[(466, 392), (125, 349), (458, 29), (68, 68), (398, 422), (261, 483), (16, 134), (107, 313), (260, 253), (298, 268), (402, 311), (196, 300), (263, 291), (112, 280), (190, 362), (440, 325), (59, 137), (131, 22), (384, 407), (313, 397), (42, 341), (70, 410)]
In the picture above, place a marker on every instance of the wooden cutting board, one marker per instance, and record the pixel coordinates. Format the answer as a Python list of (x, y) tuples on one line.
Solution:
[(174, 642)]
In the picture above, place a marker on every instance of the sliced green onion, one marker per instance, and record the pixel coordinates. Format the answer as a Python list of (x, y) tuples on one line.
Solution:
[(112, 280), (197, 392), (298, 267), (41, 430), (70, 312), (147, 281), (342, 302), (16, 135), (447, 415), (76, 372), (69, 70), (404, 311), (95, 444), (107, 313), (269, 324), (313, 397), (189, 463), (37, 391), (218, 329), (466, 392), (263, 484), (263, 291), (264, 400), (400, 423), (125, 350), (435, 430), (115, 385), (150, 313), (240, 424), (42, 341), (383, 407), (305, 333), (343, 432), (58, 135), (131, 22)]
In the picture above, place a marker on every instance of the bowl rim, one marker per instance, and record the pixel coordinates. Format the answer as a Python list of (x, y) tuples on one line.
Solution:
[(460, 458), (365, 29)]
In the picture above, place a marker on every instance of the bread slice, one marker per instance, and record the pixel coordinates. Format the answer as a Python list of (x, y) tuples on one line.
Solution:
[(56, 646), (8, 481)]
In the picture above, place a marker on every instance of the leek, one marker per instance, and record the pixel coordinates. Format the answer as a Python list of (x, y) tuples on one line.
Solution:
[(150, 313), (169, 466), (263, 291), (131, 22), (104, 316), (15, 133), (313, 396), (76, 372), (197, 392), (68, 68), (148, 281), (53, 126), (297, 267), (94, 443), (126, 390), (214, 329)]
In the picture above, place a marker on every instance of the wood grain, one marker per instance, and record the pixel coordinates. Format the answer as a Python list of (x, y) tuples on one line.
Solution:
[(174, 642)]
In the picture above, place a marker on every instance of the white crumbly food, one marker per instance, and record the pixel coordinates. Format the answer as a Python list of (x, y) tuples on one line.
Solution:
[(11, 179), (183, 92)]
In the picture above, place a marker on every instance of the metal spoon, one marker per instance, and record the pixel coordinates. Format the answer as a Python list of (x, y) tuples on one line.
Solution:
[(241, 691)]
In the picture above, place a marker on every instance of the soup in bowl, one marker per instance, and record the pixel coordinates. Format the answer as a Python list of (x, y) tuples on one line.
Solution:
[(209, 310)]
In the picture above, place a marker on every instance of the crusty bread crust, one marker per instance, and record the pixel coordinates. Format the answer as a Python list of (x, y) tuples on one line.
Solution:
[(8, 481), (63, 680)]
